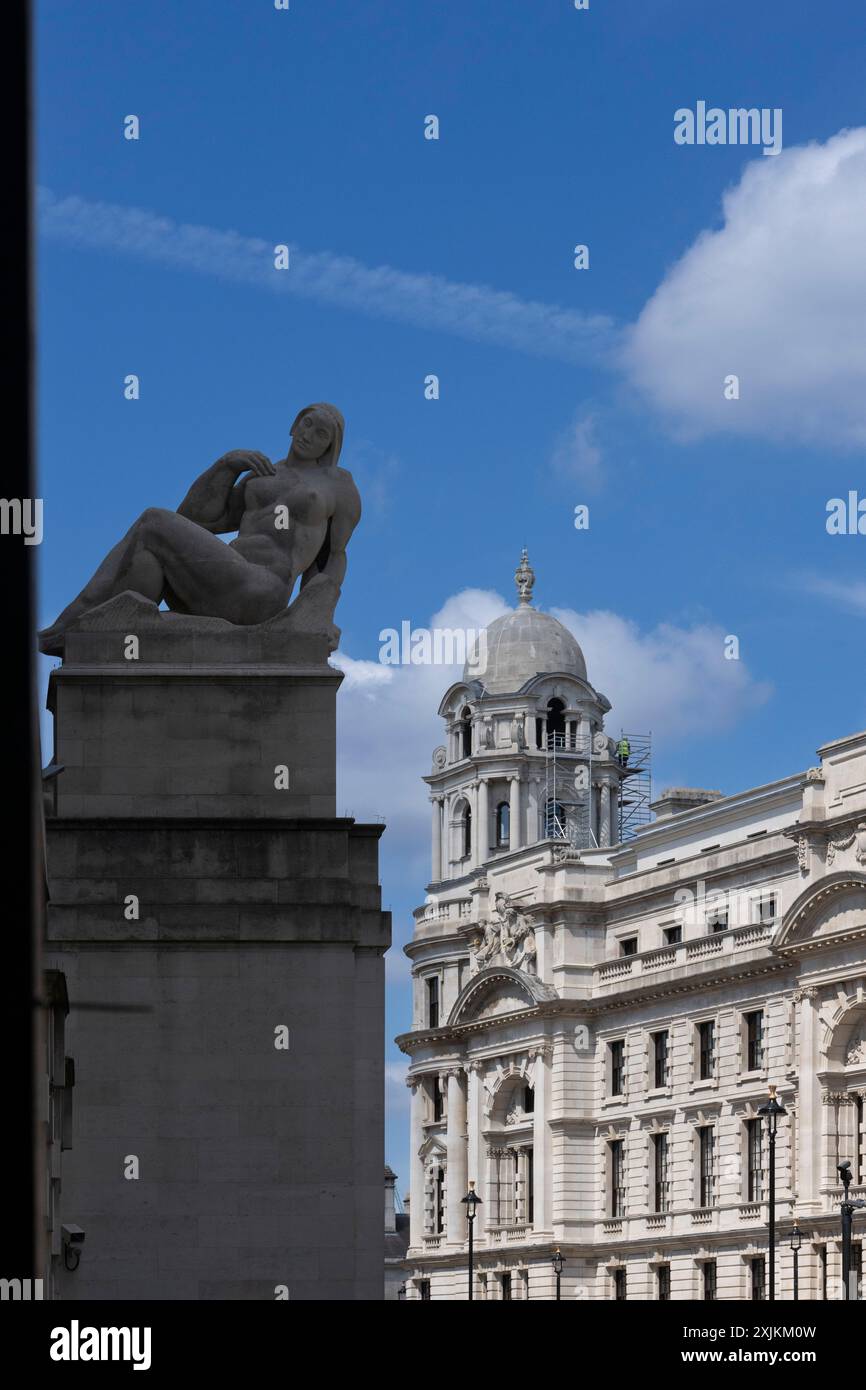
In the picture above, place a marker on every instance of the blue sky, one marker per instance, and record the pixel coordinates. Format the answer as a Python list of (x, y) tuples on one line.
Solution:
[(558, 386)]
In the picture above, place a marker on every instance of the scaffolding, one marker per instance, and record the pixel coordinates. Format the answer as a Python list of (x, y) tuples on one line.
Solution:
[(567, 812), (636, 791)]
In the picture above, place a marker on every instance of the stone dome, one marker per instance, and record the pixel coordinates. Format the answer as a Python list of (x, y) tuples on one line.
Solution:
[(523, 644)]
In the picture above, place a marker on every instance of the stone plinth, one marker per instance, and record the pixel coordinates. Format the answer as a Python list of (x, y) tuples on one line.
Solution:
[(193, 717), (195, 910)]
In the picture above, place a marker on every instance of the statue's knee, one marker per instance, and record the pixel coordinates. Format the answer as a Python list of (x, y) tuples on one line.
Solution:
[(152, 518)]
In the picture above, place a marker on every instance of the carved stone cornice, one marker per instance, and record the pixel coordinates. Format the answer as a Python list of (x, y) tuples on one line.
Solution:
[(836, 1098)]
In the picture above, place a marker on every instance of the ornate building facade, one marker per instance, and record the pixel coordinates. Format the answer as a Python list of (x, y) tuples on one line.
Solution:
[(596, 1024)]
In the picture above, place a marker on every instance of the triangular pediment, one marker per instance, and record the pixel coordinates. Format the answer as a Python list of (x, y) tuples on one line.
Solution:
[(432, 1148)]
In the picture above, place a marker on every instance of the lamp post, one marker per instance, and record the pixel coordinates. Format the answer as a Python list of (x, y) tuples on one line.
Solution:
[(848, 1210), (771, 1111), (558, 1263), (472, 1201), (796, 1241)]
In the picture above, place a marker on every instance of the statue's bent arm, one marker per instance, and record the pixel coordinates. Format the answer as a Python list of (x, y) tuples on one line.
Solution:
[(215, 501)]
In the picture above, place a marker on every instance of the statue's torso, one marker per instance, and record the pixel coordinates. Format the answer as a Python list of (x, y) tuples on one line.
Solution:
[(286, 545)]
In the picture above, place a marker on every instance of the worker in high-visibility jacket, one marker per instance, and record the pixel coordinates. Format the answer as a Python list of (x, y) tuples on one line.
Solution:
[(623, 750)]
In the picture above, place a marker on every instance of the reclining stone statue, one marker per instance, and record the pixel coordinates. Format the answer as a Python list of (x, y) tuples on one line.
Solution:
[(293, 519)]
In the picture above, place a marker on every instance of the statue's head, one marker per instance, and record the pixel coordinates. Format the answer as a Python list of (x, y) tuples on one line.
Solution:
[(317, 433)]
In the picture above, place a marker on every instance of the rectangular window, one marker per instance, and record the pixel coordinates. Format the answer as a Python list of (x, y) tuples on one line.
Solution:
[(707, 1162), (758, 1272), (660, 1172), (717, 919), (709, 1271), (766, 908), (617, 1179), (673, 936), (505, 1281), (433, 1002), (706, 1049), (530, 1186), (660, 1058), (755, 1040), (438, 1099), (628, 946), (617, 1067), (663, 1283), (754, 1161), (822, 1270), (423, 1287), (620, 1292), (528, 1100), (439, 1202)]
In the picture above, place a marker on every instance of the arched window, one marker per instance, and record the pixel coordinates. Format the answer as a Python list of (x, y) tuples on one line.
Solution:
[(555, 724), (467, 832), (503, 825), (466, 732)]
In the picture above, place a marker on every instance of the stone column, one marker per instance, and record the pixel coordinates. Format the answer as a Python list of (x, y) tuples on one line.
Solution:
[(471, 793), (416, 1166), (541, 1139), (483, 841), (603, 815), (455, 1148), (614, 813), (515, 827), (532, 829), (475, 1171), (490, 1210), (811, 1116), (437, 839)]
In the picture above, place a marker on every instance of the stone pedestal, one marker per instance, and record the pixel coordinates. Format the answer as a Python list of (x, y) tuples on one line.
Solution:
[(206, 908)]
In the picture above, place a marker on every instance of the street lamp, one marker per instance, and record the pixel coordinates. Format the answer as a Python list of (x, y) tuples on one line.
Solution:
[(848, 1210), (472, 1202), (796, 1240), (771, 1111), (558, 1263)]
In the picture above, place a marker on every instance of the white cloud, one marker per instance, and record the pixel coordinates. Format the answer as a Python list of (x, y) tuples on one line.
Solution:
[(777, 296), (850, 596), (577, 455), (476, 312), (387, 724), (669, 680)]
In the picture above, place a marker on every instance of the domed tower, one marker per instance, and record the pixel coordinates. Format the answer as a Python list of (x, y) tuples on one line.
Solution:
[(525, 794), (525, 757)]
